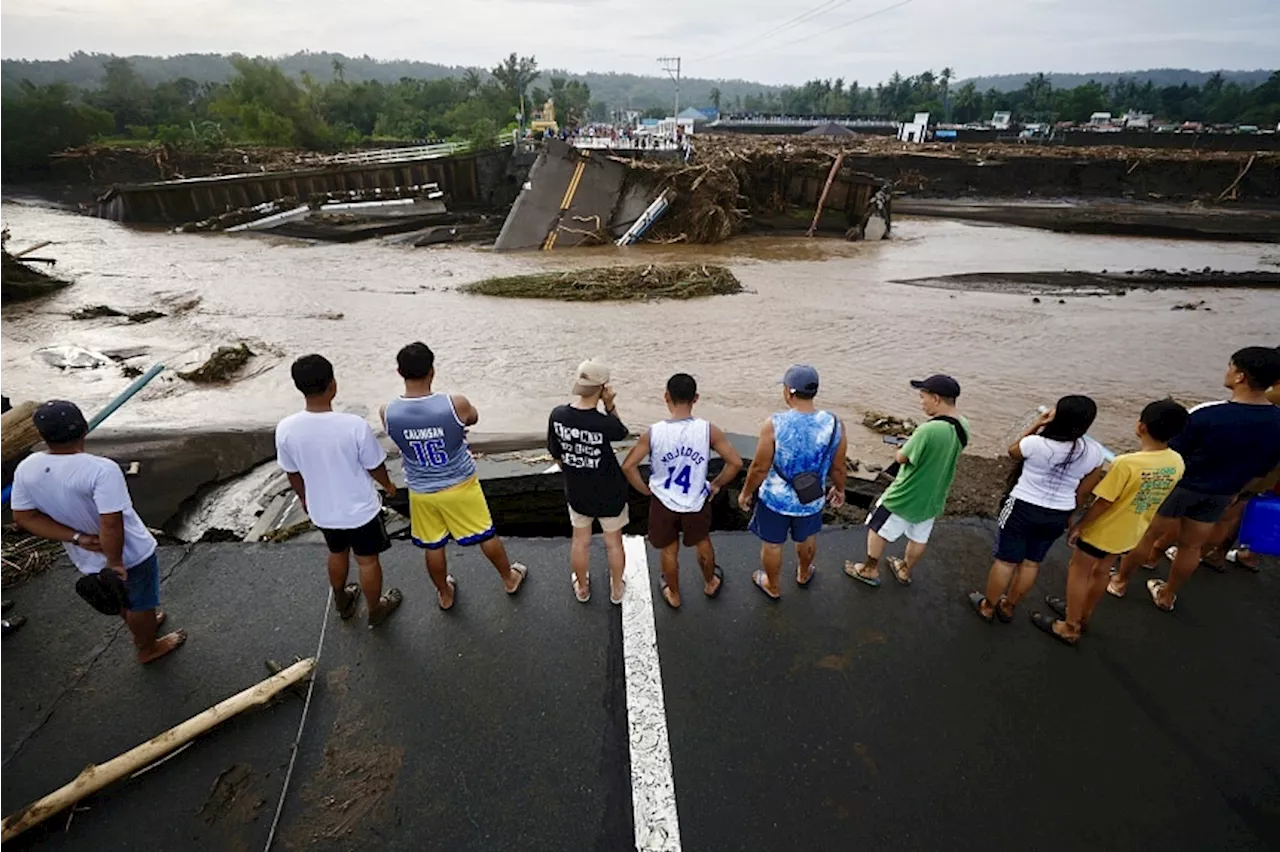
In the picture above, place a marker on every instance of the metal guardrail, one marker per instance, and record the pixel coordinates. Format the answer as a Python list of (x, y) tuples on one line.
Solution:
[(400, 155)]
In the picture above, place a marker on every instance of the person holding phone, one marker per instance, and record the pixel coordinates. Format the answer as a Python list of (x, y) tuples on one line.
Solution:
[(786, 491), (579, 437)]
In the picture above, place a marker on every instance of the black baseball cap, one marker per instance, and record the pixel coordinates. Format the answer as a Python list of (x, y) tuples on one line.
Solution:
[(60, 422), (939, 384)]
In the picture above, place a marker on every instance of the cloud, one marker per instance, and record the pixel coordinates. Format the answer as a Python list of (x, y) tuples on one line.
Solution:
[(715, 38)]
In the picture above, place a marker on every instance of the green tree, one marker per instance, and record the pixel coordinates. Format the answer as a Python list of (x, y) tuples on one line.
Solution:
[(514, 75), (40, 120), (715, 97)]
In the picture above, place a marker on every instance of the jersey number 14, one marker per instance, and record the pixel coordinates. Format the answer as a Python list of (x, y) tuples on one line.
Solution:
[(682, 478)]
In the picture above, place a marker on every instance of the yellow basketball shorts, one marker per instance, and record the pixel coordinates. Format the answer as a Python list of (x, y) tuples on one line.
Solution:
[(459, 513)]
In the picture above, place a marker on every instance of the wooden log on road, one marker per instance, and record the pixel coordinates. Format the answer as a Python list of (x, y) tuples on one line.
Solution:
[(94, 778)]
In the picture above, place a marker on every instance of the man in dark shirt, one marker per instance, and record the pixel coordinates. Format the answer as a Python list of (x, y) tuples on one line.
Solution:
[(578, 437), (1225, 445)]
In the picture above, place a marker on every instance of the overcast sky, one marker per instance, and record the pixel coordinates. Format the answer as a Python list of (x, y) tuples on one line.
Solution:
[(715, 38)]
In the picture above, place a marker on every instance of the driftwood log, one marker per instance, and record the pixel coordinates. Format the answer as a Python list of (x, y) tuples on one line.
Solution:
[(17, 433), (93, 778)]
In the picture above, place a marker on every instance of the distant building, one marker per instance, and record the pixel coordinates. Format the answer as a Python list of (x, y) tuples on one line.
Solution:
[(1100, 119), (916, 130), (1001, 120), (1134, 120)]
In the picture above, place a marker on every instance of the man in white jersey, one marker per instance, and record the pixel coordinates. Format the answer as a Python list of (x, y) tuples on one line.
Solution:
[(332, 460), (82, 500), (679, 449)]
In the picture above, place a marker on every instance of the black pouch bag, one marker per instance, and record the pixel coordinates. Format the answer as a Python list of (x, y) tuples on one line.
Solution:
[(808, 484), (103, 591)]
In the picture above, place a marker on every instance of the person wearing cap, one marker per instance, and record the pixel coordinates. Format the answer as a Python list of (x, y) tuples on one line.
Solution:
[(579, 436), (918, 495), (445, 497), (82, 500), (785, 490), (679, 488)]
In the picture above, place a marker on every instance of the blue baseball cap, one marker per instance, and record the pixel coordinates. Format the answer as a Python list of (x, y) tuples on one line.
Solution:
[(60, 422), (801, 377)]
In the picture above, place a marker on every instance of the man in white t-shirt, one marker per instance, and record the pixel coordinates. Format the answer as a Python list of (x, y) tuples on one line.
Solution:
[(81, 500), (332, 460)]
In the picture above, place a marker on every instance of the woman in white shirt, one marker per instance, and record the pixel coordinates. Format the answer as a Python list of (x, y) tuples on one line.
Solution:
[(1060, 467)]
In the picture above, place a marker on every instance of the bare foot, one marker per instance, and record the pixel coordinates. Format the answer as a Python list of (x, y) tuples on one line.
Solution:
[(162, 646), (671, 597), (161, 615), (710, 589), (1116, 588), (446, 601), (802, 578)]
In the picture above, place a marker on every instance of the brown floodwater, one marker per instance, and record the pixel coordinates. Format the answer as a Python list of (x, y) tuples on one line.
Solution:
[(824, 301)]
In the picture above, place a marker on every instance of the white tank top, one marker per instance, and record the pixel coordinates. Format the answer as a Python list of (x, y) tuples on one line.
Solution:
[(679, 451)]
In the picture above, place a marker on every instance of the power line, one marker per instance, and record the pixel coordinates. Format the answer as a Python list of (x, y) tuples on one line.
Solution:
[(857, 20), (820, 9)]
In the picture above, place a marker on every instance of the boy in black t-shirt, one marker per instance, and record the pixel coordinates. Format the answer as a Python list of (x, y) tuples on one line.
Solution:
[(1225, 445), (578, 437)]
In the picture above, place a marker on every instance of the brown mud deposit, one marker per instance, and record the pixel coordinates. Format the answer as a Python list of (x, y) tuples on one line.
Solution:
[(614, 283), (977, 491), (1097, 283), (353, 783), (235, 795)]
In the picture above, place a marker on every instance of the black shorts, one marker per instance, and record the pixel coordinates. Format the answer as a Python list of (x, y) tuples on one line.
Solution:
[(1027, 531), (1194, 505), (1096, 552), (368, 540), (665, 525)]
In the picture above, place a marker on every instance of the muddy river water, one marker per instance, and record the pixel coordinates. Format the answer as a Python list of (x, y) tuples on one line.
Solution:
[(826, 302)]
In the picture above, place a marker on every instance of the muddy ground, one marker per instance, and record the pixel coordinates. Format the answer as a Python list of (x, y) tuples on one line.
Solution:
[(1196, 221), (1080, 283)]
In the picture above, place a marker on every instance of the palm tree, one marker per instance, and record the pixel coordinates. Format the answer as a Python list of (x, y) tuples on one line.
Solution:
[(715, 98)]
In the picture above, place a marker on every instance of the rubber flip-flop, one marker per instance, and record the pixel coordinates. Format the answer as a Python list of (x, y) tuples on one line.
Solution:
[(717, 571), (618, 601), (1154, 587), (813, 569), (1000, 613), (663, 592), (389, 603), (975, 600), (1059, 606), (352, 591), (852, 570), (577, 592), (523, 572), (758, 579), (895, 565), (453, 587), (1112, 591), (1046, 623), (9, 626)]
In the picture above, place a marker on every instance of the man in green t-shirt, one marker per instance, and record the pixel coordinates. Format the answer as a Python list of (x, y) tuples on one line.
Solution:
[(919, 492)]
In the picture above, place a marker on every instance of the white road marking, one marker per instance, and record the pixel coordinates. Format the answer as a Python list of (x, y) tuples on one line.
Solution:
[(653, 787)]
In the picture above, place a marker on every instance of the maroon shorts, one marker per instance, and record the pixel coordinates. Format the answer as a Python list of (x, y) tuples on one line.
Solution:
[(665, 525)]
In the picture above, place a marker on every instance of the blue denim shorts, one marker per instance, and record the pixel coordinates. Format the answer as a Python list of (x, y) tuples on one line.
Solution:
[(143, 585), (773, 527)]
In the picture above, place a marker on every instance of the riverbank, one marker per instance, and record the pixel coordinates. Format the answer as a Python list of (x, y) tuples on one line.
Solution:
[(1195, 221), (1080, 283)]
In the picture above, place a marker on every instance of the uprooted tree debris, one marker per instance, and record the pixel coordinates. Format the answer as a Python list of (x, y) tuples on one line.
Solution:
[(614, 283), (89, 312), (221, 366), (729, 191), (887, 424), (21, 282)]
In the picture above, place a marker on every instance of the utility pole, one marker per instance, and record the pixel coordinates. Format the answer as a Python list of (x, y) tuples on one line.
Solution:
[(671, 64)]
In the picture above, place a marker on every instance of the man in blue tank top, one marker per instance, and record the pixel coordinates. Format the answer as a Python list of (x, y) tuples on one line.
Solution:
[(445, 498), (797, 450)]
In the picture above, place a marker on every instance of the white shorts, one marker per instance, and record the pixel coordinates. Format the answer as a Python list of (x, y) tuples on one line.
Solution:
[(891, 527), (606, 524)]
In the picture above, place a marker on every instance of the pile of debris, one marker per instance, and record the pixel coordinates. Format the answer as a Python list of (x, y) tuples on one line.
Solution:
[(89, 312), (615, 283), (222, 365), (19, 281), (887, 424)]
